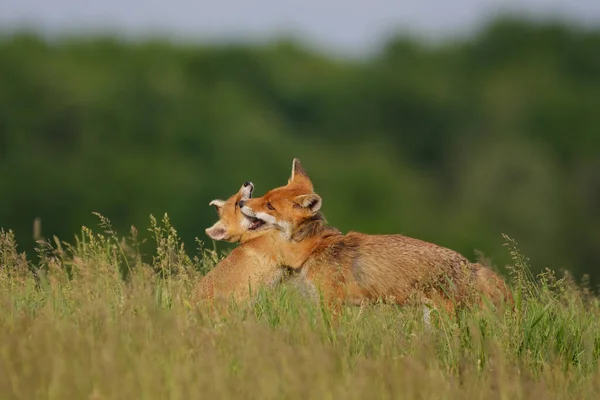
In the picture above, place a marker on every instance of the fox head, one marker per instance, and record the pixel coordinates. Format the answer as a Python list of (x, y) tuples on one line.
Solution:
[(284, 208), (232, 225)]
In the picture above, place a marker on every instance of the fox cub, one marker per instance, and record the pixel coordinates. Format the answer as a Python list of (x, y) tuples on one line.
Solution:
[(250, 265)]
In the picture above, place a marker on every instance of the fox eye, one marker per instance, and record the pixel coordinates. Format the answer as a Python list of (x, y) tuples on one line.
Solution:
[(270, 207)]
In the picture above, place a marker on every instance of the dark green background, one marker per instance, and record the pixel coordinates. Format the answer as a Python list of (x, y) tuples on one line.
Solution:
[(454, 144)]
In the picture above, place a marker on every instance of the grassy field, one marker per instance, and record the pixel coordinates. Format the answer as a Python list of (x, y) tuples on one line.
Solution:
[(92, 320)]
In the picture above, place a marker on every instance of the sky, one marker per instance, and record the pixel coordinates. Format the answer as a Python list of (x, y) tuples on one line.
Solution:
[(343, 26)]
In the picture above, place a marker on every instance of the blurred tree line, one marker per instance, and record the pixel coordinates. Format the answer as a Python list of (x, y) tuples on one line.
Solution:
[(454, 144)]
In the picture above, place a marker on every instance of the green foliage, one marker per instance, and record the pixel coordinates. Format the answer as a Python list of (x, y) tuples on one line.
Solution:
[(73, 326), (451, 144)]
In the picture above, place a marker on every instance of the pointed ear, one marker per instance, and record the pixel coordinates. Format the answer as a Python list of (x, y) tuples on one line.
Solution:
[(311, 201), (218, 204), (299, 175), (217, 232)]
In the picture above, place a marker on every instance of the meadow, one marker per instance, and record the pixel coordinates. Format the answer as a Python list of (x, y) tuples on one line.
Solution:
[(103, 317)]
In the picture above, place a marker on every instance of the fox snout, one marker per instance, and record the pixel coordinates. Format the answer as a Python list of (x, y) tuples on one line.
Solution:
[(246, 190), (246, 210)]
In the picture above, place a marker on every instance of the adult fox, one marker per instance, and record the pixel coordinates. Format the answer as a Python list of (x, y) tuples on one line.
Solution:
[(358, 268)]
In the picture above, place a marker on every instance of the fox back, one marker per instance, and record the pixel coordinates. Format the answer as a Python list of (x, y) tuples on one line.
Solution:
[(396, 267)]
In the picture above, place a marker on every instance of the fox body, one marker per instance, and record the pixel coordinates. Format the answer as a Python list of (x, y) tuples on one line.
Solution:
[(357, 268), (251, 265)]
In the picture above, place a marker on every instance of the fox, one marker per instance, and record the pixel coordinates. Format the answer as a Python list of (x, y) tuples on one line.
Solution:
[(357, 268), (250, 265)]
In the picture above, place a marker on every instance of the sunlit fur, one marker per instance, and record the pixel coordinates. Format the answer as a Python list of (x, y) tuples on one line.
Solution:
[(357, 268), (249, 266)]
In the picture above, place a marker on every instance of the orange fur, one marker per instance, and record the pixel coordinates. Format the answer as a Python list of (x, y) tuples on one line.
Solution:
[(491, 286), (357, 268), (249, 266)]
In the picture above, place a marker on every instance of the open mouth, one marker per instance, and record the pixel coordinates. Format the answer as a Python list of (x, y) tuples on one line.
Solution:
[(255, 223)]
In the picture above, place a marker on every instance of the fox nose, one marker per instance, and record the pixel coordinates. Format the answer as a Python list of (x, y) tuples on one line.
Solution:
[(241, 203), (246, 184)]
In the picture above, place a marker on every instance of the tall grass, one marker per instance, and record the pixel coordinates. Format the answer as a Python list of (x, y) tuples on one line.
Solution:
[(93, 320)]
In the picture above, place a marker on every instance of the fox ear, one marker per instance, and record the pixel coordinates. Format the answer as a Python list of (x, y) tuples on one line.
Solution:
[(217, 232), (299, 175), (311, 201), (218, 204)]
